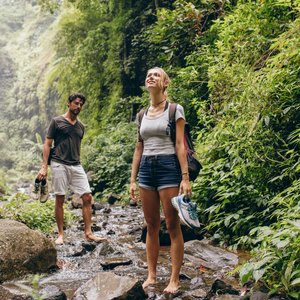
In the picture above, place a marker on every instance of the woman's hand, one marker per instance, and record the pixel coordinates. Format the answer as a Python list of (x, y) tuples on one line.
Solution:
[(185, 187), (132, 190)]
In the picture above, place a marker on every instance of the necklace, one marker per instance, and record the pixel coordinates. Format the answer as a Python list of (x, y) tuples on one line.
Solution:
[(157, 104)]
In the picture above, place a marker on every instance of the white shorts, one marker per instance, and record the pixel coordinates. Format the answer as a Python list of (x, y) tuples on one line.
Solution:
[(65, 177)]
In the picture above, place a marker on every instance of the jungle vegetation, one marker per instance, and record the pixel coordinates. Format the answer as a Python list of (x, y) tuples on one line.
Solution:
[(235, 67)]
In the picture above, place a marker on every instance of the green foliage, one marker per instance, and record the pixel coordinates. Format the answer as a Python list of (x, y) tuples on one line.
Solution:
[(234, 66), (36, 215), (109, 156)]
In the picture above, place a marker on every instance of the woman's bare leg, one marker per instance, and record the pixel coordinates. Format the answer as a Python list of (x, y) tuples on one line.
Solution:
[(174, 229), (151, 208)]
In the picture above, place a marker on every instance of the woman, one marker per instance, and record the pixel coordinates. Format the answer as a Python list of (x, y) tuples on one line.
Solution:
[(163, 174)]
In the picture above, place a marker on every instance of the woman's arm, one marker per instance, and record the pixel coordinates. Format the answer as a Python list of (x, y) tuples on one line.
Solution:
[(185, 187), (135, 168)]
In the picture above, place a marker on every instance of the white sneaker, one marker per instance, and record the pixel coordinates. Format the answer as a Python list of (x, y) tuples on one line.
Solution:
[(186, 210)]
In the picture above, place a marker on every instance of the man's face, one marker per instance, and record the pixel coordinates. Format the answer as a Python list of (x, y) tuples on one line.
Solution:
[(75, 106)]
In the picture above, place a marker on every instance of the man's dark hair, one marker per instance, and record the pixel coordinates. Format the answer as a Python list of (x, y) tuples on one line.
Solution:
[(74, 96)]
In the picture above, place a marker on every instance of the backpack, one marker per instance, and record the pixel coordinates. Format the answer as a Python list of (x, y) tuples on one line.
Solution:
[(194, 166)]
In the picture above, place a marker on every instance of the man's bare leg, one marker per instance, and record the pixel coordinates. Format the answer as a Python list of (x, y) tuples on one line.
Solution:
[(87, 219), (59, 216)]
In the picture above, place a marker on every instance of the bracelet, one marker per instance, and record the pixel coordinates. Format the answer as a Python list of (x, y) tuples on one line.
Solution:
[(186, 173)]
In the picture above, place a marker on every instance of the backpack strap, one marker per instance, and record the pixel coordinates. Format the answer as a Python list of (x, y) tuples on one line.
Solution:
[(140, 116), (172, 112), (172, 121)]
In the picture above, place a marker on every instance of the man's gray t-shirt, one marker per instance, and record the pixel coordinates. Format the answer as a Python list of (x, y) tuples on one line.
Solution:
[(156, 134), (67, 140)]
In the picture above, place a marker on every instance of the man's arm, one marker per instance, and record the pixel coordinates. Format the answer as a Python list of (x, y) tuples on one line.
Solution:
[(46, 152)]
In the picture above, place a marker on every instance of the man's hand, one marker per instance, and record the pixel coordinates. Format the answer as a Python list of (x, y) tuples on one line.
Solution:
[(43, 172)]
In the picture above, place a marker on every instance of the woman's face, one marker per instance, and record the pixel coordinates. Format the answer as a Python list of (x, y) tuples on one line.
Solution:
[(154, 79)]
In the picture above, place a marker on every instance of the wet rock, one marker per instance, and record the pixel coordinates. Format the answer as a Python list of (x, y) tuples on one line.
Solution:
[(197, 282), (110, 232), (89, 246), (105, 249), (112, 262), (23, 251), (14, 293), (51, 292), (226, 297), (197, 293), (107, 285), (221, 287), (258, 295), (200, 253), (97, 206), (76, 201), (96, 228), (112, 198), (106, 210), (132, 202)]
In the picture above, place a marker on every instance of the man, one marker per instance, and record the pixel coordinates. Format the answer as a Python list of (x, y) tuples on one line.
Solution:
[(67, 132)]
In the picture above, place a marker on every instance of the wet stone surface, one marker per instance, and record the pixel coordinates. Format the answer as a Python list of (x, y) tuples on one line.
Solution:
[(124, 254)]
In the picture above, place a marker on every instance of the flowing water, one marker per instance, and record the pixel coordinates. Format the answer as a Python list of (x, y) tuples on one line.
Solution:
[(124, 253)]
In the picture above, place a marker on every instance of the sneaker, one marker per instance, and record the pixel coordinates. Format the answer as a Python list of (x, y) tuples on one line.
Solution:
[(186, 210), (36, 189), (44, 191)]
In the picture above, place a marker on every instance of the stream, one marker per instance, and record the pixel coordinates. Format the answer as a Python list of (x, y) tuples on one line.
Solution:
[(123, 254)]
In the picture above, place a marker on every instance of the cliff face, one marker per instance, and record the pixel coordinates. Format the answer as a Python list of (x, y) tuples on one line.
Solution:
[(26, 52)]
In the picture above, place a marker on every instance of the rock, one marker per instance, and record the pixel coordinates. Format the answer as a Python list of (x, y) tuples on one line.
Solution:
[(258, 295), (97, 206), (105, 249), (112, 198), (200, 253), (197, 293), (14, 292), (23, 251), (132, 202), (221, 287), (76, 201), (112, 262), (108, 286), (51, 292)]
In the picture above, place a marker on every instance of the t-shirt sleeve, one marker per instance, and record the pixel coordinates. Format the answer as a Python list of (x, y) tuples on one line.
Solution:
[(179, 112), (51, 129)]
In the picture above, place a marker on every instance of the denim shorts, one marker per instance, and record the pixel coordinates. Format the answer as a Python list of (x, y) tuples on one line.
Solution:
[(159, 171)]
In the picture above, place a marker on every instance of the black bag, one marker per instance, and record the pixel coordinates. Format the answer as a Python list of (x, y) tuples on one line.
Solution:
[(194, 166)]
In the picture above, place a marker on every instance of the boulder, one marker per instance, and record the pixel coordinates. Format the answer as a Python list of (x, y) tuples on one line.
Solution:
[(108, 286), (201, 253), (23, 251)]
